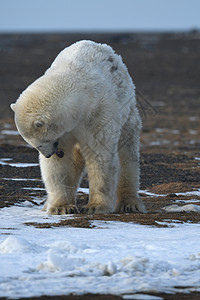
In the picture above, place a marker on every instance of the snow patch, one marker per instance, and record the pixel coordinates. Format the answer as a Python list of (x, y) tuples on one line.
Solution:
[(193, 132), (34, 189), (191, 193), (184, 208), (22, 179), (10, 132), (141, 297), (114, 257), (146, 192), (5, 162), (84, 190), (187, 201), (13, 245)]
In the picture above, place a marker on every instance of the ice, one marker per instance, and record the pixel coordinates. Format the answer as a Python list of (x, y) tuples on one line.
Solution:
[(113, 257)]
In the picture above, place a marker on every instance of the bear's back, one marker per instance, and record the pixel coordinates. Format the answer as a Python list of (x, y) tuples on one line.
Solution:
[(97, 67), (84, 54)]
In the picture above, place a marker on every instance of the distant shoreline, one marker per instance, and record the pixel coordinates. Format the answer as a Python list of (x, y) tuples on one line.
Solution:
[(98, 32)]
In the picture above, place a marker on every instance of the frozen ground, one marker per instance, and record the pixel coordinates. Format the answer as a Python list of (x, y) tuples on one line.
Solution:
[(113, 257)]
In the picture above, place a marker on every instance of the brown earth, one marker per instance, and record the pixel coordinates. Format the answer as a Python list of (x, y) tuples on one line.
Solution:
[(166, 69)]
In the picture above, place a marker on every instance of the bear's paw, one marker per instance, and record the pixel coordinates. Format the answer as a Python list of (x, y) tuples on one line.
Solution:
[(91, 209), (131, 207), (62, 210)]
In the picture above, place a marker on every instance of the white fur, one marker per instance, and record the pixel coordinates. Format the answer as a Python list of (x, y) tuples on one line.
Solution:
[(86, 102)]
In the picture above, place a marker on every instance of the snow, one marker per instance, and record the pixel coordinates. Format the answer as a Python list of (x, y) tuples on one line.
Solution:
[(113, 257), (187, 201), (141, 297), (193, 118), (6, 162), (159, 142), (22, 179), (84, 190), (191, 193), (164, 130), (146, 192), (184, 208), (193, 132), (10, 132), (34, 189)]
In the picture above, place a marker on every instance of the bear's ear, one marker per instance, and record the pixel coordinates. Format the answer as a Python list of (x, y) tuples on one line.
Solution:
[(12, 106), (38, 123)]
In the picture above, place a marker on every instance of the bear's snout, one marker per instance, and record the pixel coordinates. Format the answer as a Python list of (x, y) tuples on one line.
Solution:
[(60, 153), (49, 149)]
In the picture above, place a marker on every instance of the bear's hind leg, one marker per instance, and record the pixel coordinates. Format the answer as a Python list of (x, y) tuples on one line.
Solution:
[(61, 177), (128, 199)]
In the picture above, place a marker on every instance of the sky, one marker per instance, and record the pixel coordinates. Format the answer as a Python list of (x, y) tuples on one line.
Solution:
[(98, 15)]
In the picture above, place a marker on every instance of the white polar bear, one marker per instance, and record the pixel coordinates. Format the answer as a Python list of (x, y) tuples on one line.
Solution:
[(82, 112)]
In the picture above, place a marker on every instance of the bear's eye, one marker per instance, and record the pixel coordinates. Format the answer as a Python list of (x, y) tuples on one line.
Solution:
[(38, 123), (46, 141), (39, 146)]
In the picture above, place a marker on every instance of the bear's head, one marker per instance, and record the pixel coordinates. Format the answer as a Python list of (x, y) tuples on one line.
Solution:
[(37, 128), (46, 110)]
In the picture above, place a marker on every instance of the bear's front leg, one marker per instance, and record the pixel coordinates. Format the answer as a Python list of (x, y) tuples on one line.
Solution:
[(61, 178), (103, 177)]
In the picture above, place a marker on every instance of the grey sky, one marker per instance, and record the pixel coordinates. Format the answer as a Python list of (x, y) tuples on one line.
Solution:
[(100, 15)]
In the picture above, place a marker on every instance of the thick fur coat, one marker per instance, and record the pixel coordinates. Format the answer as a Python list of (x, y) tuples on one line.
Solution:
[(82, 113)]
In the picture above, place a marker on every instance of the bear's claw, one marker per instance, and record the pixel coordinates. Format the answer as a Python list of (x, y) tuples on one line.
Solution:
[(70, 209), (131, 208), (95, 209)]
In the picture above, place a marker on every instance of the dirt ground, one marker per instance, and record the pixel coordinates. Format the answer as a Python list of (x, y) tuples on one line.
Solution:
[(166, 69)]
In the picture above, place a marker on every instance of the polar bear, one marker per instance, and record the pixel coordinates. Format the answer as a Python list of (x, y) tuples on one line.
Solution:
[(82, 113)]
